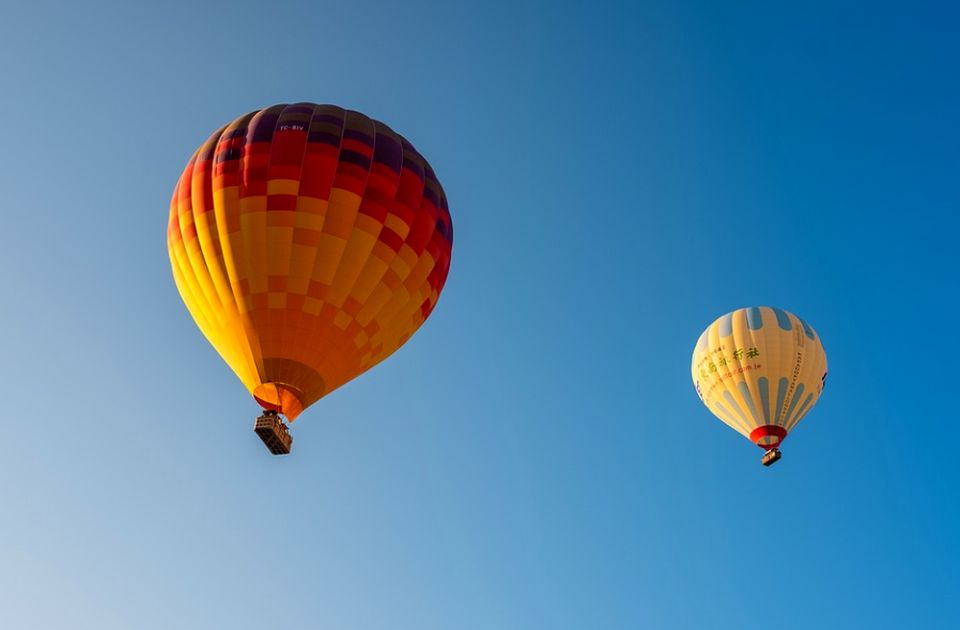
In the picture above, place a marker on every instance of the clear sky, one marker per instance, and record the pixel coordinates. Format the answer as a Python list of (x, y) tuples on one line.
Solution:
[(536, 457)]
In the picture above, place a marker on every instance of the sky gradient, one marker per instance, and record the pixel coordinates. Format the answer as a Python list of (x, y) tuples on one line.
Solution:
[(536, 457)]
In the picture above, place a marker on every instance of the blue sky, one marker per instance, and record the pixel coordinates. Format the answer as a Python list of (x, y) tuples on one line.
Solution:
[(536, 457)]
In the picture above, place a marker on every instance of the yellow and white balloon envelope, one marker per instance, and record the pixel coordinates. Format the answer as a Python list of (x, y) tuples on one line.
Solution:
[(760, 370)]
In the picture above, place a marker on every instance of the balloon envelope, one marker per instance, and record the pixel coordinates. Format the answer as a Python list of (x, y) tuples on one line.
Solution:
[(308, 243), (759, 370)]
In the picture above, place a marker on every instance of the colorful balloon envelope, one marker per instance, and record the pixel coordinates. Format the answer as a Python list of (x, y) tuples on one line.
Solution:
[(760, 370), (308, 243)]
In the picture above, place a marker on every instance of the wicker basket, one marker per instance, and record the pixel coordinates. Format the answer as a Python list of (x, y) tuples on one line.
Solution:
[(273, 432)]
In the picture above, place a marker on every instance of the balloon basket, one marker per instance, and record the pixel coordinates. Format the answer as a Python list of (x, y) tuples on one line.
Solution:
[(273, 432), (770, 457)]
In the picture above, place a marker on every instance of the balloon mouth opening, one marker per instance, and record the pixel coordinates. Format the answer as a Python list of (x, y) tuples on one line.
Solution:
[(280, 397), (768, 436)]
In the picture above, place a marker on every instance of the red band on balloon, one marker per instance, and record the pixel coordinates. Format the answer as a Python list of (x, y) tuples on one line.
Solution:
[(768, 430)]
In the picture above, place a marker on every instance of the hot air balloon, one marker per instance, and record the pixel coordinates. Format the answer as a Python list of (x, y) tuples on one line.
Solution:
[(309, 243), (760, 370)]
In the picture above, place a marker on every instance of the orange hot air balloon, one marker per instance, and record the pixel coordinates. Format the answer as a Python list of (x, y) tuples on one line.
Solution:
[(309, 243)]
